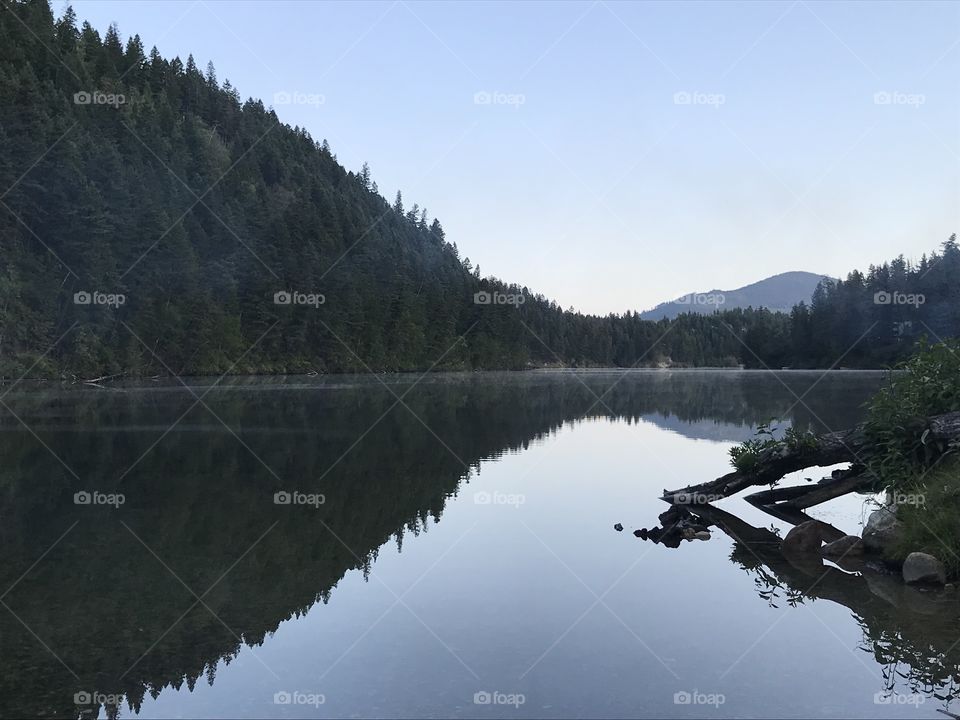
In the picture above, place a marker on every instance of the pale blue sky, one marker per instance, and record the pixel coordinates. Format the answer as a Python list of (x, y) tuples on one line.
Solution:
[(599, 189)]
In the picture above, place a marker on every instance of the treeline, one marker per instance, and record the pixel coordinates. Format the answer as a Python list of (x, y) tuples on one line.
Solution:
[(152, 222), (877, 317)]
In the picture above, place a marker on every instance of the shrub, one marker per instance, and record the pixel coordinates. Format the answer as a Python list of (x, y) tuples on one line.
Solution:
[(931, 517), (926, 384), (745, 456)]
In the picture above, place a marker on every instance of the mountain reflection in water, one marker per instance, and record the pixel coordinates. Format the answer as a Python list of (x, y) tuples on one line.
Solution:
[(198, 562)]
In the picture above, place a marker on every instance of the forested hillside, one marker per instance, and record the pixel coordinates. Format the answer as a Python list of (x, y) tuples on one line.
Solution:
[(151, 222), (882, 313)]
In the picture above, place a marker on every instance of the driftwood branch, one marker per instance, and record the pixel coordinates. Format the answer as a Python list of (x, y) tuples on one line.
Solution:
[(94, 381), (805, 496), (775, 462)]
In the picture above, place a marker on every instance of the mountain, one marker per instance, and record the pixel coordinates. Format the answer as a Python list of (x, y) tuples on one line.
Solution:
[(778, 293), (154, 223)]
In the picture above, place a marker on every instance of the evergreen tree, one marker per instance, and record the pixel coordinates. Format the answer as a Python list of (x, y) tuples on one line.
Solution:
[(115, 201)]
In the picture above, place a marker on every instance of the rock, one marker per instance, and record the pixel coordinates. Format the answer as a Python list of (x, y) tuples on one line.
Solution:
[(923, 568), (847, 546), (695, 532), (805, 537), (673, 515), (618, 527), (641, 533), (909, 599), (882, 530), (856, 564)]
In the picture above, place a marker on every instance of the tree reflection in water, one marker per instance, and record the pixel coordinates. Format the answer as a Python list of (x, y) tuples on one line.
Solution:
[(202, 500), (914, 634)]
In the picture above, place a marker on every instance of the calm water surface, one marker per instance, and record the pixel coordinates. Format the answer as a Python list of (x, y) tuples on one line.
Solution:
[(448, 554)]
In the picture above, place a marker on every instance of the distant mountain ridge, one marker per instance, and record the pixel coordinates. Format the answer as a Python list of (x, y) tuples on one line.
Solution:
[(779, 292)]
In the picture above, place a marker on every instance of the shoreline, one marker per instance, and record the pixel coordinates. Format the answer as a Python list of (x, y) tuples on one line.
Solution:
[(240, 379), (121, 380)]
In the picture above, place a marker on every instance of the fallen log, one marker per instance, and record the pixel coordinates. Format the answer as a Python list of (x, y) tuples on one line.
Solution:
[(828, 491), (804, 496), (97, 380), (781, 459), (776, 495)]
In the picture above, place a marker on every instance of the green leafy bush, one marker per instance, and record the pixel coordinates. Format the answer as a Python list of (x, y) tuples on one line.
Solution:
[(931, 516), (746, 455), (926, 384)]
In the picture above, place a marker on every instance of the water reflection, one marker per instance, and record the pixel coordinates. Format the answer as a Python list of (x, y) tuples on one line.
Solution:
[(913, 633), (124, 600)]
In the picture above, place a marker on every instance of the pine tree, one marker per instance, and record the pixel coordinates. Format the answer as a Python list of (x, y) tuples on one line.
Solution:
[(279, 213)]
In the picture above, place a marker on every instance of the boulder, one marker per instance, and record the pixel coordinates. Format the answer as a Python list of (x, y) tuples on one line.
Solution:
[(923, 568), (847, 546), (805, 537), (618, 527), (882, 531), (909, 599)]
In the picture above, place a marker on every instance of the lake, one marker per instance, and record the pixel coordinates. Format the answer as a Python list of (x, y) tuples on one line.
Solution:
[(398, 546)]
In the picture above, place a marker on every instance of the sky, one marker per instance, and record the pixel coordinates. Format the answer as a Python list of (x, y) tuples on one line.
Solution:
[(615, 155)]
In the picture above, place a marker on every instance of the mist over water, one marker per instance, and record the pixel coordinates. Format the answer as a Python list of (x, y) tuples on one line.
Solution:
[(460, 559)]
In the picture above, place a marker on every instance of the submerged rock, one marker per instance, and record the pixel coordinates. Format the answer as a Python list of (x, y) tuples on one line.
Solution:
[(882, 531), (805, 537), (847, 546), (695, 532), (923, 568), (909, 598)]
